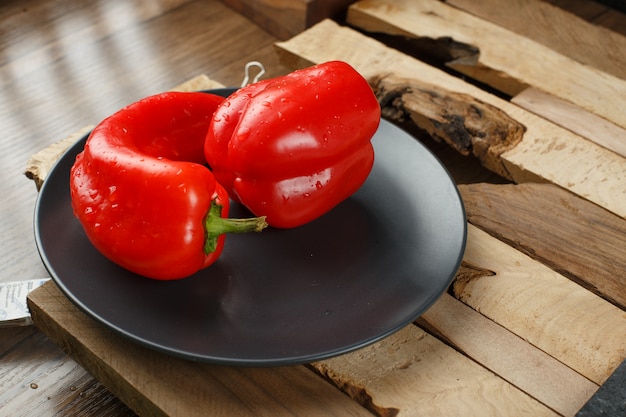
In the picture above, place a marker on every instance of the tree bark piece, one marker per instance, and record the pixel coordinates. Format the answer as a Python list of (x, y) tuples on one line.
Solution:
[(469, 125)]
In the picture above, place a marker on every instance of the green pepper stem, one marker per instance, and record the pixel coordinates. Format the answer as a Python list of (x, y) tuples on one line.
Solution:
[(216, 225)]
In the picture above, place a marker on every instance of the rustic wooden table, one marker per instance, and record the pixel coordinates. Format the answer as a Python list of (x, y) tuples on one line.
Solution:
[(67, 64)]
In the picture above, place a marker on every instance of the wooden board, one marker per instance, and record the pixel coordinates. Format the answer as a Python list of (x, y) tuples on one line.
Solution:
[(570, 235), (585, 124), (546, 153), (523, 365), (543, 307), (154, 384), (284, 19), (411, 373), (532, 64), (559, 30)]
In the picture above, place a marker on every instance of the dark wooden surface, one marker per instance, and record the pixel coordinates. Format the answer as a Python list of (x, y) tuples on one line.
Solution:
[(66, 64)]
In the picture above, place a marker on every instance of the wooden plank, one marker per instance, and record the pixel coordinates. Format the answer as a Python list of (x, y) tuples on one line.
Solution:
[(580, 329), (154, 384), (571, 117), (568, 234), (503, 55), (607, 13), (507, 355), (555, 28), (546, 153), (33, 389), (411, 373), (284, 19), (40, 164)]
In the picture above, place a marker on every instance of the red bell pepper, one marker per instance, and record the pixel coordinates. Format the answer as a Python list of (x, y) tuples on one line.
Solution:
[(143, 193), (293, 147)]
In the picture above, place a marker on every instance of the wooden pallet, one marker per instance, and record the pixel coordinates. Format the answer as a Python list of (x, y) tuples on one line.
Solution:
[(535, 321)]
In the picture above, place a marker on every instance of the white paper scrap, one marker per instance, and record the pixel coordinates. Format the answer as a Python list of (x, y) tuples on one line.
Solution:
[(13, 308)]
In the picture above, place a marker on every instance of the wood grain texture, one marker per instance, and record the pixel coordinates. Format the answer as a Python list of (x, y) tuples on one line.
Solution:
[(285, 19), (402, 376), (38, 379), (558, 29), (572, 236), (599, 13), (154, 384), (503, 55), (583, 331), (571, 117), (547, 153), (507, 355)]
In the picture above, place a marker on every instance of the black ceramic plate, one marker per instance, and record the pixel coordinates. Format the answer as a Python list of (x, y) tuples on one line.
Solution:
[(352, 277)]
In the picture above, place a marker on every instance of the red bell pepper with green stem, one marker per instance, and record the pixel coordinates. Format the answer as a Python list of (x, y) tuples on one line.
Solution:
[(293, 147), (143, 193)]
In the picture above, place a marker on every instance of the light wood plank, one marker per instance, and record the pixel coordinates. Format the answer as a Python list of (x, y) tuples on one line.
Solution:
[(411, 373), (566, 321), (507, 355), (547, 152), (154, 384), (555, 28), (571, 117), (566, 233), (504, 55)]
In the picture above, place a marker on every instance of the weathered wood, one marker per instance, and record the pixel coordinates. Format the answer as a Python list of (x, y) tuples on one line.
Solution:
[(155, 384), (553, 313), (568, 234), (470, 126), (601, 13), (284, 19), (571, 117), (507, 355), (547, 152), (555, 28), (40, 164), (504, 56), (52, 384), (411, 373)]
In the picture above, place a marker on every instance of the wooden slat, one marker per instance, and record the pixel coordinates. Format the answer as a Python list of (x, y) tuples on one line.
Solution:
[(547, 152), (40, 164), (284, 19), (507, 355), (580, 240), (553, 313), (503, 56), (571, 117), (411, 373), (555, 28), (155, 384), (38, 379)]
